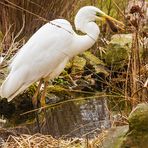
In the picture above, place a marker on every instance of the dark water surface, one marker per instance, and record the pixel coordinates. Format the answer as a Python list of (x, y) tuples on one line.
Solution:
[(85, 119)]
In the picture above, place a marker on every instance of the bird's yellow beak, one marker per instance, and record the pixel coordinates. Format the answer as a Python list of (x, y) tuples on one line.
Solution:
[(113, 23), (107, 17)]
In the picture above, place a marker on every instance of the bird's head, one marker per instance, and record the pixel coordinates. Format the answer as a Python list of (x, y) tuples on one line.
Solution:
[(90, 14)]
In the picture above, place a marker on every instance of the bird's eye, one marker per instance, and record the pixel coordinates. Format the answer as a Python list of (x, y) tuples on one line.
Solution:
[(98, 14)]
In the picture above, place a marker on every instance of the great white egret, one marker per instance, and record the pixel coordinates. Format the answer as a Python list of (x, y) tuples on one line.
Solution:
[(46, 53)]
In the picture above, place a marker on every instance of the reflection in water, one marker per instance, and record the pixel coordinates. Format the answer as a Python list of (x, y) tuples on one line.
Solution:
[(84, 118), (77, 120), (95, 115)]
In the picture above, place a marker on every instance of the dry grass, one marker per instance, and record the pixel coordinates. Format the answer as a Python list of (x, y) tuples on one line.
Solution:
[(12, 139), (31, 141), (40, 141)]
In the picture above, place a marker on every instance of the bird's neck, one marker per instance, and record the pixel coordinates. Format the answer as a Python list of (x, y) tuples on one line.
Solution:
[(92, 30), (84, 42)]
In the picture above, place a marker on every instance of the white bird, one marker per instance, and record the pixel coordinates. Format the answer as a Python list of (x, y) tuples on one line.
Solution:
[(47, 52)]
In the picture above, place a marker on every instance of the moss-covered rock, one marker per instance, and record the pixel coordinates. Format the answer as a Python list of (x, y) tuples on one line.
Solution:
[(134, 136), (92, 59), (138, 119), (97, 64), (116, 56), (137, 136), (125, 40), (135, 140), (78, 64), (114, 137), (117, 51)]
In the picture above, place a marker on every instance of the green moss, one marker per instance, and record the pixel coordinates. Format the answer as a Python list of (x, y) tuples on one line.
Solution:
[(116, 56), (56, 89), (137, 135), (135, 139), (78, 64), (115, 137), (92, 58), (117, 51), (124, 40), (97, 64), (138, 119)]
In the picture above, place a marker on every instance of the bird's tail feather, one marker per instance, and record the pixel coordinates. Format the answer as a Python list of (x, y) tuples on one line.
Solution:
[(21, 89), (13, 85)]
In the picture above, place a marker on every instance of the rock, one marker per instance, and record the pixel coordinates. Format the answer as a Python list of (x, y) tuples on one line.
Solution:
[(97, 64), (117, 51), (125, 40), (116, 56), (6, 108), (114, 137), (12, 110), (134, 136), (92, 58), (137, 136), (138, 119), (78, 64)]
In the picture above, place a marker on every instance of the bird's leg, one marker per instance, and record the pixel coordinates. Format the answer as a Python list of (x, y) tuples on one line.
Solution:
[(34, 102), (43, 99), (43, 102), (34, 99)]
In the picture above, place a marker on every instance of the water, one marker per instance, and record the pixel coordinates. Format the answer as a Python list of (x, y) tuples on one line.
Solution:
[(73, 119), (85, 118)]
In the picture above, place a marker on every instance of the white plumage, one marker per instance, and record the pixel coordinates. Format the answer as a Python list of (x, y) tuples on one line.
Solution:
[(49, 49)]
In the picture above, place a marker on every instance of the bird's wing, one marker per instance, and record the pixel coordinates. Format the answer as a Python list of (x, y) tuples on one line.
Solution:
[(54, 36), (23, 86), (38, 57)]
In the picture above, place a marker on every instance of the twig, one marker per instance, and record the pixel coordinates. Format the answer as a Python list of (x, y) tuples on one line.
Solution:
[(12, 5), (66, 101)]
